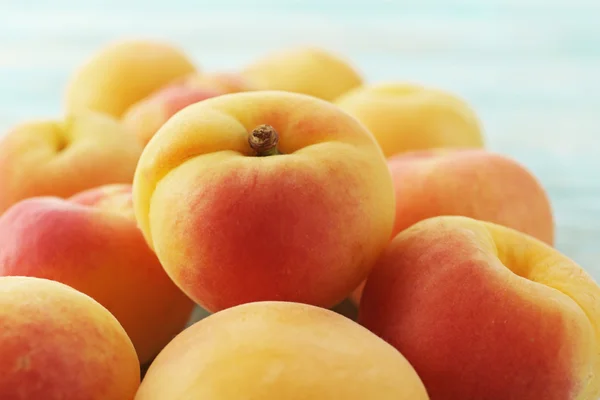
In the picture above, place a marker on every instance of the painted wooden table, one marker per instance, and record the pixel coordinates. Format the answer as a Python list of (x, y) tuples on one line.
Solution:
[(529, 67)]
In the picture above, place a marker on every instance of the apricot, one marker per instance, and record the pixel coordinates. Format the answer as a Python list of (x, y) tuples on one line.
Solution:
[(123, 73), (484, 311), (473, 183), (264, 195), (279, 350), (146, 117), (57, 343), (61, 158), (92, 243), (221, 81), (304, 69), (407, 116)]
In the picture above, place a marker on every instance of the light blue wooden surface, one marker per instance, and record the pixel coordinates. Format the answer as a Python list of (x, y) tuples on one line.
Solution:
[(529, 67)]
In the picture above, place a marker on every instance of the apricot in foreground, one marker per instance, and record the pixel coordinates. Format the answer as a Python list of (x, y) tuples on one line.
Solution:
[(57, 343), (264, 195), (279, 350), (483, 311)]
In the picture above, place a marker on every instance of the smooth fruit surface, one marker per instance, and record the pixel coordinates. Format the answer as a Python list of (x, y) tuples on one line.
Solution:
[(231, 226), (407, 116), (473, 183), (278, 350), (122, 73), (57, 343), (307, 70), (221, 81), (145, 117), (91, 242), (64, 157), (486, 312)]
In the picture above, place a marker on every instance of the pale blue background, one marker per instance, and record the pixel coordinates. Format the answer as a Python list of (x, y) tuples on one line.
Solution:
[(529, 67)]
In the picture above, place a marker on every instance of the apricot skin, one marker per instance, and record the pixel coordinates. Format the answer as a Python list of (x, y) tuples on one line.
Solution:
[(231, 228), (473, 183), (406, 116), (498, 188), (279, 350), (122, 73), (64, 157), (486, 312), (92, 243), (307, 70), (57, 343), (146, 117)]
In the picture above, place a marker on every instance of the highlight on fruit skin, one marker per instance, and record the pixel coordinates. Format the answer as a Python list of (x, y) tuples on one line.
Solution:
[(483, 311), (279, 350), (57, 343), (303, 219)]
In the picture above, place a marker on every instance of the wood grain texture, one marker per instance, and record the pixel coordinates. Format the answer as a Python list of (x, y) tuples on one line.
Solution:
[(529, 67)]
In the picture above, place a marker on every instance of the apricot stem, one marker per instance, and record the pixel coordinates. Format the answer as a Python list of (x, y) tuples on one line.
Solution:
[(263, 140)]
